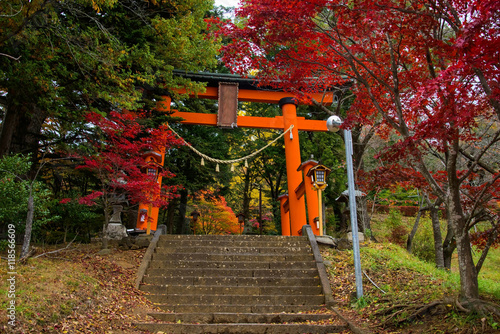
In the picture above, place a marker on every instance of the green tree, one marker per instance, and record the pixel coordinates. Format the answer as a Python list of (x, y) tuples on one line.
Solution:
[(186, 164), (61, 58), (20, 195)]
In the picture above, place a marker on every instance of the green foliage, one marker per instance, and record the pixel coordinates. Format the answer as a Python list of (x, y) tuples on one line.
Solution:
[(392, 256), (492, 263), (76, 221), (397, 229), (380, 257), (14, 192), (74, 56), (397, 196), (423, 242), (13, 195), (361, 302), (332, 223)]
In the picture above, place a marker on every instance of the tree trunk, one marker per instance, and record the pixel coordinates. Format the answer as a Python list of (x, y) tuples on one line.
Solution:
[(438, 239), (246, 198), (29, 226), (449, 246), (409, 241), (105, 238), (9, 124), (181, 225), (21, 127), (469, 287), (170, 214)]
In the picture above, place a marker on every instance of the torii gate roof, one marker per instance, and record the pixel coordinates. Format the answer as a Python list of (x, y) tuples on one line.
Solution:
[(249, 90)]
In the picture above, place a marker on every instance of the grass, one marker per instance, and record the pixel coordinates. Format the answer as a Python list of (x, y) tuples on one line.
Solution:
[(408, 282), (489, 276)]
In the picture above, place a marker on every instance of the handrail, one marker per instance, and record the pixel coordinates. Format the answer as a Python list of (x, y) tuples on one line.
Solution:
[(146, 260), (325, 282)]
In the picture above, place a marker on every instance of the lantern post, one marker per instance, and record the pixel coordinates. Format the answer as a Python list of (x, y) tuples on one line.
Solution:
[(318, 175), (241, 220)]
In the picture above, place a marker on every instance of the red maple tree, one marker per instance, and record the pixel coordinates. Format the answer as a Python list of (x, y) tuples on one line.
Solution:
[(117, 144), (426, 70)]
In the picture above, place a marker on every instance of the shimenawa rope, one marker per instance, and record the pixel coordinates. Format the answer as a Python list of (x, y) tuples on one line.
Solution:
[(233, 161)]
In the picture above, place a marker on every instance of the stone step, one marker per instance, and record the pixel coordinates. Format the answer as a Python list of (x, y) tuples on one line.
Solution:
[(231, 281), (256, 308), (232, 290), (214, 272), (232, 250), (228, 237), (208, 299), (170, 264), (232, 243), (188, 256), (221, 318), (251, 328), (236, 284)]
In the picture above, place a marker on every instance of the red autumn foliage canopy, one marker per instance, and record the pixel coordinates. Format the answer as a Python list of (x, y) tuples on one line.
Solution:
[(118, 143), (427, 69)]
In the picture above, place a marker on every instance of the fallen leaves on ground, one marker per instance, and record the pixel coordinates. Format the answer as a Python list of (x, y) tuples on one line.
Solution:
[(80, 291)]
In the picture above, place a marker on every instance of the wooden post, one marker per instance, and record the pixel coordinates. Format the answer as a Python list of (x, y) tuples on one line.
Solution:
[(320, 211), (285, 214)]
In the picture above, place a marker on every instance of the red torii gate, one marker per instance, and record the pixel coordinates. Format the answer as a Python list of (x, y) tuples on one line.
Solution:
[(293, 210)]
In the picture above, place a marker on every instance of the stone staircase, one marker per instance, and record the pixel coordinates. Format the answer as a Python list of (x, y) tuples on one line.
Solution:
[(237, 284)]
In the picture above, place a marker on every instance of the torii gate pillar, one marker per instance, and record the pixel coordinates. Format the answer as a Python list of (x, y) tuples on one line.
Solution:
[(285, 214), (294, 177)]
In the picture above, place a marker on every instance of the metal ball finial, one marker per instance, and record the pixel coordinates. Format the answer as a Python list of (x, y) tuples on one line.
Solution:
[(333, 123)]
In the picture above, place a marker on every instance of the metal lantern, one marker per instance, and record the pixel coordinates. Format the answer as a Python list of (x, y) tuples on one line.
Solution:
[(152, 170), (153, 163), (195, 214), (318, 175), (241, 220)]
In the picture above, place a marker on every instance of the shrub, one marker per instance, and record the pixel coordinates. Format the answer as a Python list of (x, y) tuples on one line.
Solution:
[(423, 242), (398, 230)]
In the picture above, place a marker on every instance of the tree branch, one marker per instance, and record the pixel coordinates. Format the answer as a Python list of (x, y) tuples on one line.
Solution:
[(9, 56), (486, 87), (495, 233), (475, 161), (57, 250)]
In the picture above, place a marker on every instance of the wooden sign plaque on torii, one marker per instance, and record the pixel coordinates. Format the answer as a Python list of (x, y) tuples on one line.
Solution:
[(228, 90)]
